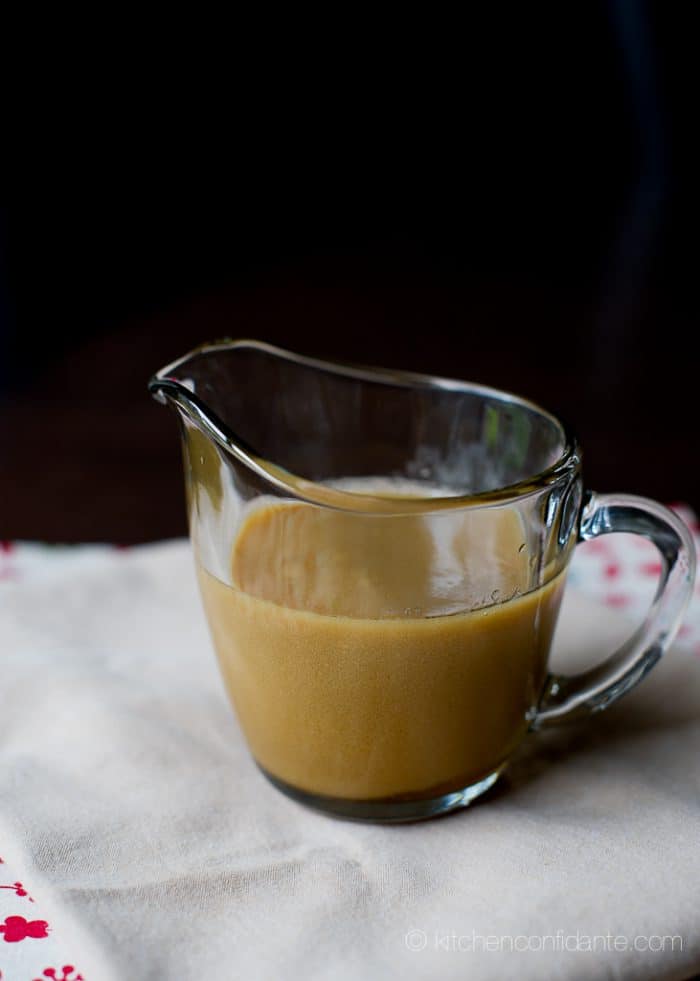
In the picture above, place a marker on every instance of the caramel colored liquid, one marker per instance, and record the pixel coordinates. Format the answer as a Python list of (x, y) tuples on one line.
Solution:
[(351, 672)]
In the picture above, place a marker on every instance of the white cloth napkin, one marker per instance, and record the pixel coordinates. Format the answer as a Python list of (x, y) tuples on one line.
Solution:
[(154, 849)]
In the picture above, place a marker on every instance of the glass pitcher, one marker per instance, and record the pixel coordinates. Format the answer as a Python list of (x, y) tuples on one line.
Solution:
[(382, 557)]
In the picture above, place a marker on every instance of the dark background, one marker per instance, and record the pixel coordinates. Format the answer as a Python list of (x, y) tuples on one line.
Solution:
[(510, 201)]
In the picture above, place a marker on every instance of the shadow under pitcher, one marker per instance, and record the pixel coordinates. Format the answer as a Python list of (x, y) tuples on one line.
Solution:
[(382, 557)]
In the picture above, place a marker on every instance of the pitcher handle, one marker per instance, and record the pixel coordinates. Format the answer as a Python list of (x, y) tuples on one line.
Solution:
[(571, 697)]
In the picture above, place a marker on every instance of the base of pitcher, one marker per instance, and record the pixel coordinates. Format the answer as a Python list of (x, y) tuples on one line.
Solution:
[(389, 810)]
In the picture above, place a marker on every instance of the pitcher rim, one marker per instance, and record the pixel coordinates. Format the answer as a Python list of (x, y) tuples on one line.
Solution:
[(165, 388)]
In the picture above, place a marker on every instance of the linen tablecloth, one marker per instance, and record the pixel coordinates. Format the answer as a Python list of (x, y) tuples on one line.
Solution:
[(140, 842)]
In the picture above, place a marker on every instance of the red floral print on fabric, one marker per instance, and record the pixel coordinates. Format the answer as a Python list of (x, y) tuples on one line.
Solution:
[(16, 928), (597, 546), (617, 600), (7, 571), (19, 890), (65, 975)]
